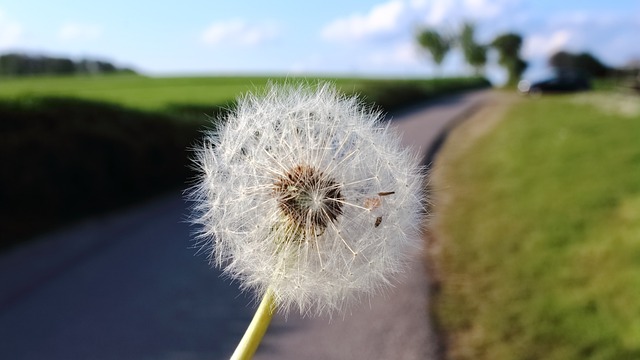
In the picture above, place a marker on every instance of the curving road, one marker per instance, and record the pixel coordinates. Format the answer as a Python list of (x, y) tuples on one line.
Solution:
[(129, 286)]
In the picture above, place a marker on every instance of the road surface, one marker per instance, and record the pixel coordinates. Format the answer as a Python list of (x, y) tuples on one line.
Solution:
[(129, 286)]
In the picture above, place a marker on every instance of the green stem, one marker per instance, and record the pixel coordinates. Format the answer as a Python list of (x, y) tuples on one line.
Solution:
[(252, 337)]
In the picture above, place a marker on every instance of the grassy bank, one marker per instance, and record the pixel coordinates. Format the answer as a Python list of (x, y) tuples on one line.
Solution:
[(76, 146), (537, 231)]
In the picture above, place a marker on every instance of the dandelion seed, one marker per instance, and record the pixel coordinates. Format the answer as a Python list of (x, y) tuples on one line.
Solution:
[(307, 195)]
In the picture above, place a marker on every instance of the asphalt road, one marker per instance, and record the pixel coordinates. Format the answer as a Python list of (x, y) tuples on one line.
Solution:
[(129, 286)]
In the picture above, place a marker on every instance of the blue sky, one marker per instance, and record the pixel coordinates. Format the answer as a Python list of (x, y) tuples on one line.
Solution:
[(361, 37)]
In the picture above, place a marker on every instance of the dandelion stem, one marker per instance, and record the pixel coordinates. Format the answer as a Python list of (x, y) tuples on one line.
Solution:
[(252, 337)]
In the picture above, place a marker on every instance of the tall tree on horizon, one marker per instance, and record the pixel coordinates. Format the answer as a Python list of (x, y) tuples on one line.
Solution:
[(508, 46), (436, 43), (584, 63), (474, 53)]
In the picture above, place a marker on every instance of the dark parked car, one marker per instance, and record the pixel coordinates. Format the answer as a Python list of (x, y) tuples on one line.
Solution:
[(555, 84)]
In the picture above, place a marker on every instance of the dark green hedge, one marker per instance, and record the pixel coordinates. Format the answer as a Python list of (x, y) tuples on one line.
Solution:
[(62, 159), (395, 94)]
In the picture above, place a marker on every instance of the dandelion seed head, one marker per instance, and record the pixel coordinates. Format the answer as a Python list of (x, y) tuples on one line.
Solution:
[(308, 198), (305, 191)]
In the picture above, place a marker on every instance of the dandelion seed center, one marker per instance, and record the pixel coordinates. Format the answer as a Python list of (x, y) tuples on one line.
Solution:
[(308, 197)]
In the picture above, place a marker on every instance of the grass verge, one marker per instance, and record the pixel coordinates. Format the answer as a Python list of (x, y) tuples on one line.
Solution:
[(537, 251)]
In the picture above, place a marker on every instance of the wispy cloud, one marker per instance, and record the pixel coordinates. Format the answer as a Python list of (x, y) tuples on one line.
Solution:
[(488, 9), (609, 36), (79, 32), (545, 45), (397, 18), (238, 32), (383, 35), (385, 18), (11, 31), (403, 53)]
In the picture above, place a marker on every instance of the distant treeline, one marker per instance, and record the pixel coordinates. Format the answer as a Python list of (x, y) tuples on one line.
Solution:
[(15, 64)]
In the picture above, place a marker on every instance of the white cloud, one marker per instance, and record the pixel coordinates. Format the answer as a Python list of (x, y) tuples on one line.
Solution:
[(238, 32), (399, 17), (612, 37), (79, 32), (543, 45), (439, 12), (381, 19), (487, 9), (381, 37), (11, 32), (402, 54), (453, 12)]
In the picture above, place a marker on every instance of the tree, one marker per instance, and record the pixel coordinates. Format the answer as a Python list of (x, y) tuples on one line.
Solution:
[(59, 66), (508, 47), (591, 65), (437, 44), (562, 60), (474, 53), (584, 63)]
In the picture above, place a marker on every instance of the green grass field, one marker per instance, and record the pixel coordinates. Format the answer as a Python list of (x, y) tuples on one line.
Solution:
[(136, 91), (538, 231), (165, 93)]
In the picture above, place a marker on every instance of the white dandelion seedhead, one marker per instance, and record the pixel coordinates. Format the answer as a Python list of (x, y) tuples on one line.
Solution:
[(305, 192)]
